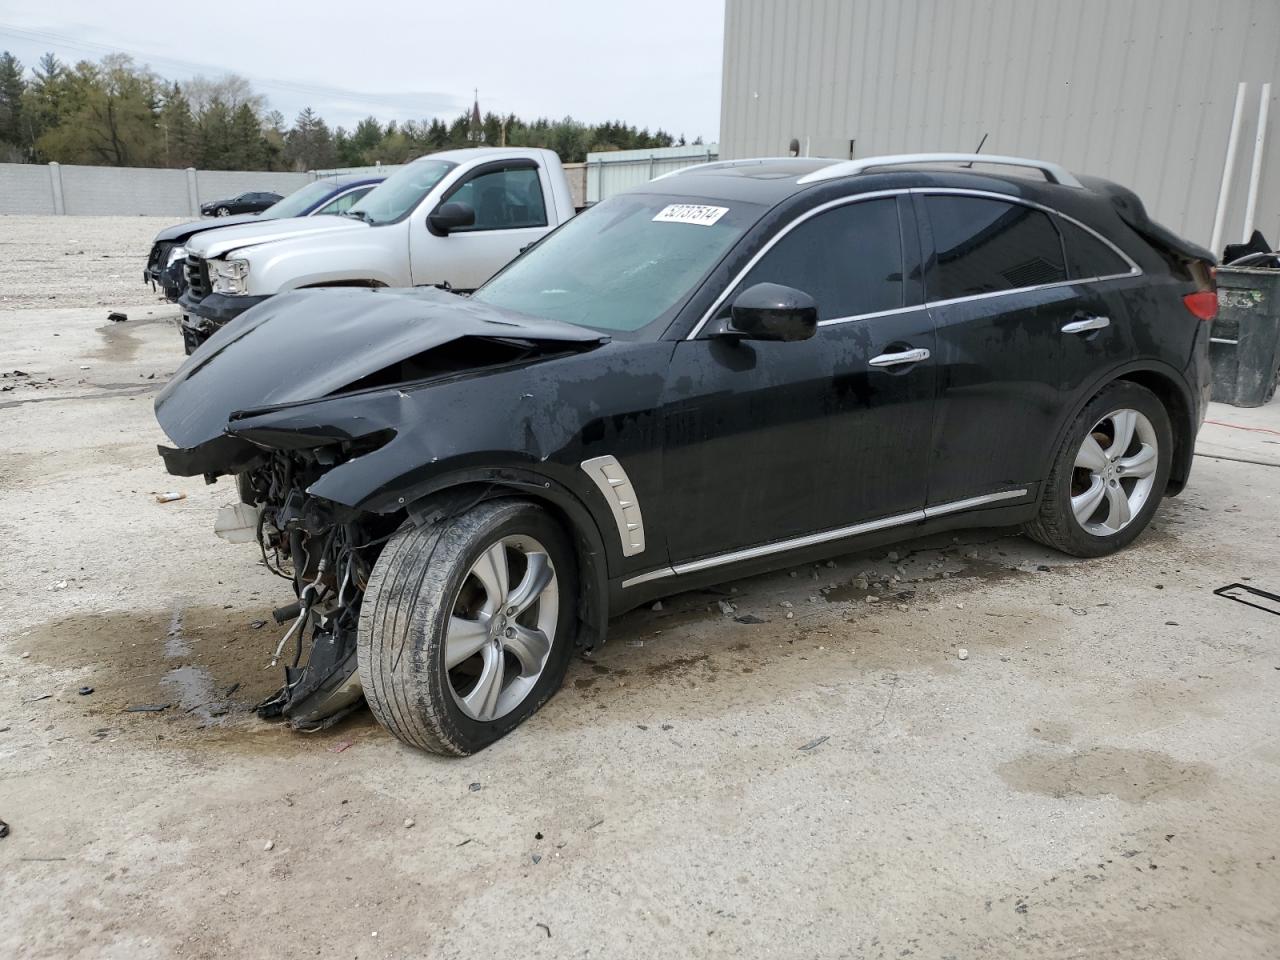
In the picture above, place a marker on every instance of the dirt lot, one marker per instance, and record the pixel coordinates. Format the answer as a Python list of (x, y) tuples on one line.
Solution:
[(1098, 779)]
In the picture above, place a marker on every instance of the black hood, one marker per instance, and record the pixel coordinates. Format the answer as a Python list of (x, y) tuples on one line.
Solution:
[(311, 344), (181, 232)]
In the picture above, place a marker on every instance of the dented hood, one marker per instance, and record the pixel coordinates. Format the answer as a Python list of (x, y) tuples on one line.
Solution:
[(311, 344)]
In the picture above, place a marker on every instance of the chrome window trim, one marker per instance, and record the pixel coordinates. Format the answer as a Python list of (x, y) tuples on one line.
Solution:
[(824, 536), (615, 486), (1134, 269), (759, 254)]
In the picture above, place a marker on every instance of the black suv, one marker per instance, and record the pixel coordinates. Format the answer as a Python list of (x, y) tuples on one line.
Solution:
[(739, 366)]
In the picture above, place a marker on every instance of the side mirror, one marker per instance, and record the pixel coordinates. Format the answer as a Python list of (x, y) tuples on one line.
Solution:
[(770, 311), (451, 216)]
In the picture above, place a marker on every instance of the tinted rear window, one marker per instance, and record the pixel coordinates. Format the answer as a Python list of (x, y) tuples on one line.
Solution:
[(849, 259), (986, 246), (1087, 256)]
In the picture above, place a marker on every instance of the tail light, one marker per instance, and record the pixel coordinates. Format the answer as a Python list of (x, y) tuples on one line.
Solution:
[(1203, 303)]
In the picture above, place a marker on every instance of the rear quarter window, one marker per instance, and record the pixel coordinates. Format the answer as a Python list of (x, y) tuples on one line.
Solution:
[(989, 246), (1087, 256)]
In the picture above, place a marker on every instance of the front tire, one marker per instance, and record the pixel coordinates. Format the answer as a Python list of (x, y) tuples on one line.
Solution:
[(1108, 476), (467, 625), (223, 212)]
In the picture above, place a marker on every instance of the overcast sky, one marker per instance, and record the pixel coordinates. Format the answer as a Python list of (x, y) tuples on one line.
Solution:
[(654, 63)]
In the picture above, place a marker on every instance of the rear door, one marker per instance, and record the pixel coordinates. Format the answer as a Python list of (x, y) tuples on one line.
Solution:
[(1017, 337), (770, 441), (511, 213)]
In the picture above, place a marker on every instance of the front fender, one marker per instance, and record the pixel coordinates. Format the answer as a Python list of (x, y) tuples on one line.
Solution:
[(328, 261)]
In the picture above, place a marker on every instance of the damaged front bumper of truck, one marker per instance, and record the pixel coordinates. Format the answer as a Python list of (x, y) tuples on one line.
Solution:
[(203, 317), (316, 405)]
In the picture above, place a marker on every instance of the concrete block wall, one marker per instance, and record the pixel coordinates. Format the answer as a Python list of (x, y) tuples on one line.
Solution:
[(53, 188), (25, 188)]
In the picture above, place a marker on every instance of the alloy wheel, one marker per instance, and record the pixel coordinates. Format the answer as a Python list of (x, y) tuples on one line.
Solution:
[(501, 628), (1114, 472)]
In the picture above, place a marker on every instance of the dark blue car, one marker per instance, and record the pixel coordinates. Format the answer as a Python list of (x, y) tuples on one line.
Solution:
[(329, 195)]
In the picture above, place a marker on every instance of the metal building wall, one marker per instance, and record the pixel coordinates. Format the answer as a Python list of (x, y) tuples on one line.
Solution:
[(1138, 91), (613, 171)]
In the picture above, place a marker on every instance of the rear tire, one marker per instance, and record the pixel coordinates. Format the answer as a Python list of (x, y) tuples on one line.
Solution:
[(1109, 475), (446, 666)]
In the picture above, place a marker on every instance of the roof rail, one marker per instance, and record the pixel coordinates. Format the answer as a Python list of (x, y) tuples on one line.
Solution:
[(746, 162), (1053, 172)]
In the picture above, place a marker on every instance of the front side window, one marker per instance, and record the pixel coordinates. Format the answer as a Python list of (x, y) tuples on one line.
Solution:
[(625, 264), (849, 259), (398, 195), (989, 246), (505, 199), (343, 203), (297, 203)]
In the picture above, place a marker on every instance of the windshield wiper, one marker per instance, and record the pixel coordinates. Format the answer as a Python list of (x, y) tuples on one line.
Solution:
[(359, 215)]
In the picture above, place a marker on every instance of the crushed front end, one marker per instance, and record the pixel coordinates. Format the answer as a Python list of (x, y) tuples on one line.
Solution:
[(326, 552), (317, 403)]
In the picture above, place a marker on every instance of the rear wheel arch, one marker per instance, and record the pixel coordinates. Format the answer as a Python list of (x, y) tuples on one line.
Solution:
[(457, 493), (1172, 391), (1178, 405)]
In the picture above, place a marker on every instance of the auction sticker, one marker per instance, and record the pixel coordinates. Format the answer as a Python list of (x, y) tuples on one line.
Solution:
[(696, 213)]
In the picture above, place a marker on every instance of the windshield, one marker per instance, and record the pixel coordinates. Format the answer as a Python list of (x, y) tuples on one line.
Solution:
[(624, 263), (397, 195), (301, 200)]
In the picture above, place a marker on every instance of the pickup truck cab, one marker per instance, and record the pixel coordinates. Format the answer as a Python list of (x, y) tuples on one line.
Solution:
[(450, 219)]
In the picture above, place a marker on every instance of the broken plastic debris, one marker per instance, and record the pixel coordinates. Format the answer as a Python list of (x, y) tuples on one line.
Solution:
[(169, 496), (236, 523)]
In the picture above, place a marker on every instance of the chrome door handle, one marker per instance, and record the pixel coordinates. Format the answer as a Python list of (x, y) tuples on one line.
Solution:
[(1087, 324), (893, 359)]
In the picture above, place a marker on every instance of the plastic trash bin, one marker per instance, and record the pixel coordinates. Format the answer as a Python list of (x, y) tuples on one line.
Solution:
[(1244, 343)]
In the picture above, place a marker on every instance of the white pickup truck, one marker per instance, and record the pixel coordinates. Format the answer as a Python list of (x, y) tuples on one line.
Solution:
[(452, 218)]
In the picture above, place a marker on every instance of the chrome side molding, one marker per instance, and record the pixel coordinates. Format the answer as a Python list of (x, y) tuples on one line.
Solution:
[(825, 536), (615, 486)]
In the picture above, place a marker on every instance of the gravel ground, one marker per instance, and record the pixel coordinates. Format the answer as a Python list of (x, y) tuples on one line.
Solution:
[(75, 261), (1097, 779)]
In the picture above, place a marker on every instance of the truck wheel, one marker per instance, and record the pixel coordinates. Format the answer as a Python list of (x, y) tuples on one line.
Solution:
[(467, 625), (1109, 475)]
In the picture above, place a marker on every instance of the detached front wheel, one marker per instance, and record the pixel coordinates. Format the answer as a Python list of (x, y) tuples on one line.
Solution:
[(467, 625)]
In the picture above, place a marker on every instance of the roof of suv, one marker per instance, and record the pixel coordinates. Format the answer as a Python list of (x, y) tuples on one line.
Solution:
[(768, 180)]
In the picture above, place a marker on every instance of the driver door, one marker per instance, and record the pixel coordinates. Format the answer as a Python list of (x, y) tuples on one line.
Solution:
[(768, 441), (511, 213)]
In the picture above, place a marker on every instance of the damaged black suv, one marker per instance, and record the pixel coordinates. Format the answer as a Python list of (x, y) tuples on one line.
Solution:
[(743, 365)]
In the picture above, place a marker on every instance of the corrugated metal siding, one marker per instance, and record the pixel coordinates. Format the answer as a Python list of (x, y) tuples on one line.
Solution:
[(613, 171), (1138, 91)]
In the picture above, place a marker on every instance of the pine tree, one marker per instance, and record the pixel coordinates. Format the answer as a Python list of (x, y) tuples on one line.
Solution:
[(12, 88)]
